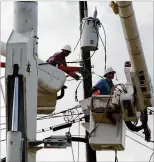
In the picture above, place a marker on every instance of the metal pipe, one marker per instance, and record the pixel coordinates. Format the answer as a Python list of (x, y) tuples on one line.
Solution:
[(15, 105)]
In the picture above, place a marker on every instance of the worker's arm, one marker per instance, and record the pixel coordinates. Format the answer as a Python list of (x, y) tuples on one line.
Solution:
[(70, 71)]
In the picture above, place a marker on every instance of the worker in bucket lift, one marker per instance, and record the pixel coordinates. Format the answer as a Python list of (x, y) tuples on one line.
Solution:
[(59, 59), (104, 86)]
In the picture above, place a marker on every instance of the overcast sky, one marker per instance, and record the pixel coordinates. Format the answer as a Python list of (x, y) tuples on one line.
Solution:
[(59, 25)]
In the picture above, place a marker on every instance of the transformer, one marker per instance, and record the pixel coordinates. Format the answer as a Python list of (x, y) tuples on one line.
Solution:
[(90, 34)]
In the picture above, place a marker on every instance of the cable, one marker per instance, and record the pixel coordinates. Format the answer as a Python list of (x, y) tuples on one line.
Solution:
[(80, 35), (78, 135), (50, 128), (104, 44), (151, 156), (76, 91), (72, 153), (140, 143), (50, 118), (82, 60), (98, 75), (78, 106), (116, 158), (135, 133)]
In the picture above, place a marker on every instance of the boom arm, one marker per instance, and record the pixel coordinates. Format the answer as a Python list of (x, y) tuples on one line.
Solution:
[(126, 12)]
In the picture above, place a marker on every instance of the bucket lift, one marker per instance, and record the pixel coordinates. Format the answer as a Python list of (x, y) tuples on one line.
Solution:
[(50, 81), (109, 114), (104, 135)]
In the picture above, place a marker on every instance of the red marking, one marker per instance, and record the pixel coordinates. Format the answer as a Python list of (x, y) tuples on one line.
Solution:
[(96, 93)]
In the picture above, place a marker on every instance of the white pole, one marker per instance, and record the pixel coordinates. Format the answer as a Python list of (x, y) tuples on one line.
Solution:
[(25, 16)]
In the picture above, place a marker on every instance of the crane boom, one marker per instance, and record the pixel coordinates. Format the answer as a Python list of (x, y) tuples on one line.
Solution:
[(126, 12)]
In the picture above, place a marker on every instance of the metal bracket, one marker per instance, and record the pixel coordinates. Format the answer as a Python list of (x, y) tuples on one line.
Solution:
[(57, 141)]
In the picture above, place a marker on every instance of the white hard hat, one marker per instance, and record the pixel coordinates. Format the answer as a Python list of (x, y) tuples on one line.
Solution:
[(109, 70), (67, 47)]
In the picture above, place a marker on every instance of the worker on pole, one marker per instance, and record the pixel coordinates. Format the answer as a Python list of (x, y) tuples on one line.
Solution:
[(104, 86), (59, 59)]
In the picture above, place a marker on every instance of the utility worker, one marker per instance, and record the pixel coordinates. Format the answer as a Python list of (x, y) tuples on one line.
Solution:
[(104, 86), (59, 59)]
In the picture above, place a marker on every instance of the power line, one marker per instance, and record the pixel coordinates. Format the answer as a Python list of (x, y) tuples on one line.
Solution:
[(72, 153), (50, 128), (151, 156), (140, 143), (135, 133), (78, 141)]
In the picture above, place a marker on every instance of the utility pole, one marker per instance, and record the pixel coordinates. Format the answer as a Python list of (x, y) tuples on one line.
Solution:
[(87, 80)]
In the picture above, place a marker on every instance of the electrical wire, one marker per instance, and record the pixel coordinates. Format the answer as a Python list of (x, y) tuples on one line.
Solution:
[(78, 135), (151, 156), (76, 91), (135, 133), (50, 128), (139, 143), (80, 35), (47, 116), (72, 153), (104, 44), (116, 158), (55, 117), (82, 60)]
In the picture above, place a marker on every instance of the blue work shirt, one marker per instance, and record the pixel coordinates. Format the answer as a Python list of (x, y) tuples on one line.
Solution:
[(103, 86)]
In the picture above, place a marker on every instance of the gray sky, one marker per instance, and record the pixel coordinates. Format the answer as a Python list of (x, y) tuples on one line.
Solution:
[(59, 25)]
